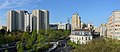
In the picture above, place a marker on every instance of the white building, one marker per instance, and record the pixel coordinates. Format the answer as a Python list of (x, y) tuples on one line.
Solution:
[(64, 26), (53, 26), (15, 20), (40, 19), (81, 36), (103, 30), (89, 26), (61, 25), (82, 24), (23, 21), (97, 29), (28, 22)]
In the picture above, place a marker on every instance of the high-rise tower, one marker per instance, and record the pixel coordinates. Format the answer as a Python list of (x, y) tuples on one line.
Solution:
[(15, 20), (76, 21), (40, 19)]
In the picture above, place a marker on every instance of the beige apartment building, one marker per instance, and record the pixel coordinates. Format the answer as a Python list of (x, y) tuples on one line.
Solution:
[(76, 21), (113, 25)]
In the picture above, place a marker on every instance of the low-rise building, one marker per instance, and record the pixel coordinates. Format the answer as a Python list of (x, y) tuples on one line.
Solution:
[(103, 30), (96, 29), (53, 26), (60, 25), (81, 36)]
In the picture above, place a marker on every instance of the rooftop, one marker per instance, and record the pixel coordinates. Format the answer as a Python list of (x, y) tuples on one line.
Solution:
[(81, 30)]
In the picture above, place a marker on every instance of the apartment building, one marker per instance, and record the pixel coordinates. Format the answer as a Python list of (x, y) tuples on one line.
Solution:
[(76, 21), (103, 30), (81, 36), (113, 25), (24, 21), (15, 20)]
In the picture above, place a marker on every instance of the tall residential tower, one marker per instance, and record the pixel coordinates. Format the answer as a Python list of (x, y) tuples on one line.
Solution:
[(76, 21), (24, 21), (40, 19), (15, 20)]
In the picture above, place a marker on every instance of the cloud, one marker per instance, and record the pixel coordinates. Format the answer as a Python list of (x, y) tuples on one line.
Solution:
[(10, 4), (6, 5)]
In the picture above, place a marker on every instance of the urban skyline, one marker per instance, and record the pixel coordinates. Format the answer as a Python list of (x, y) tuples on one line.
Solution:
[(86, 11), (59, 26)]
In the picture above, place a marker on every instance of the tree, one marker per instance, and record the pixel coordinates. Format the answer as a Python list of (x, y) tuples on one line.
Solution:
[(74, 45), (100, 45), (31, 40), (6, 50), (25, 37), (2, 31), (84, 25), (20, 46)]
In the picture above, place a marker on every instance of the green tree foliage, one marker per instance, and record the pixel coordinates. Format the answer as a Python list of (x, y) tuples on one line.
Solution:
[(74, 45), (34, 41), (20, 46), (25, 37), (100, 45), (6, 50), (84, 25)]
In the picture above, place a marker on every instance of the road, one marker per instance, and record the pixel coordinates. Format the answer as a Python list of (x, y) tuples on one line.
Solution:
[(59, 46), (62, 47)]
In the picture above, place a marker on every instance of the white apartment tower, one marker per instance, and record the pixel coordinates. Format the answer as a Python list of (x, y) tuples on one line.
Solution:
[(40, 19), (24, 21), (15, 20), (28, 22)]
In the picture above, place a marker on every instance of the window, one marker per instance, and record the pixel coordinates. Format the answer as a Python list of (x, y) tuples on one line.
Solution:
[(86, 38), (89, 32), (82, 38), (89, 38), (83, 33)]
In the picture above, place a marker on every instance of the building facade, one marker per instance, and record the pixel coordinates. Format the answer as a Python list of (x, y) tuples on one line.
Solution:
[(53, 26), (23, 21), (76, 21), (89, 26), (28, 22), (15, 20), (103, 30), (64, 26), (40, 19), (81, 36), (113, 25), (61, 25), (0, 27)]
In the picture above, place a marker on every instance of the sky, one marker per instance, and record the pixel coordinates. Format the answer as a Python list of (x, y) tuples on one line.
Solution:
[(90, 11)]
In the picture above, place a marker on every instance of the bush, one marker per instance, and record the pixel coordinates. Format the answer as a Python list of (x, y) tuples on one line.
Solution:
[(100, 45)]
